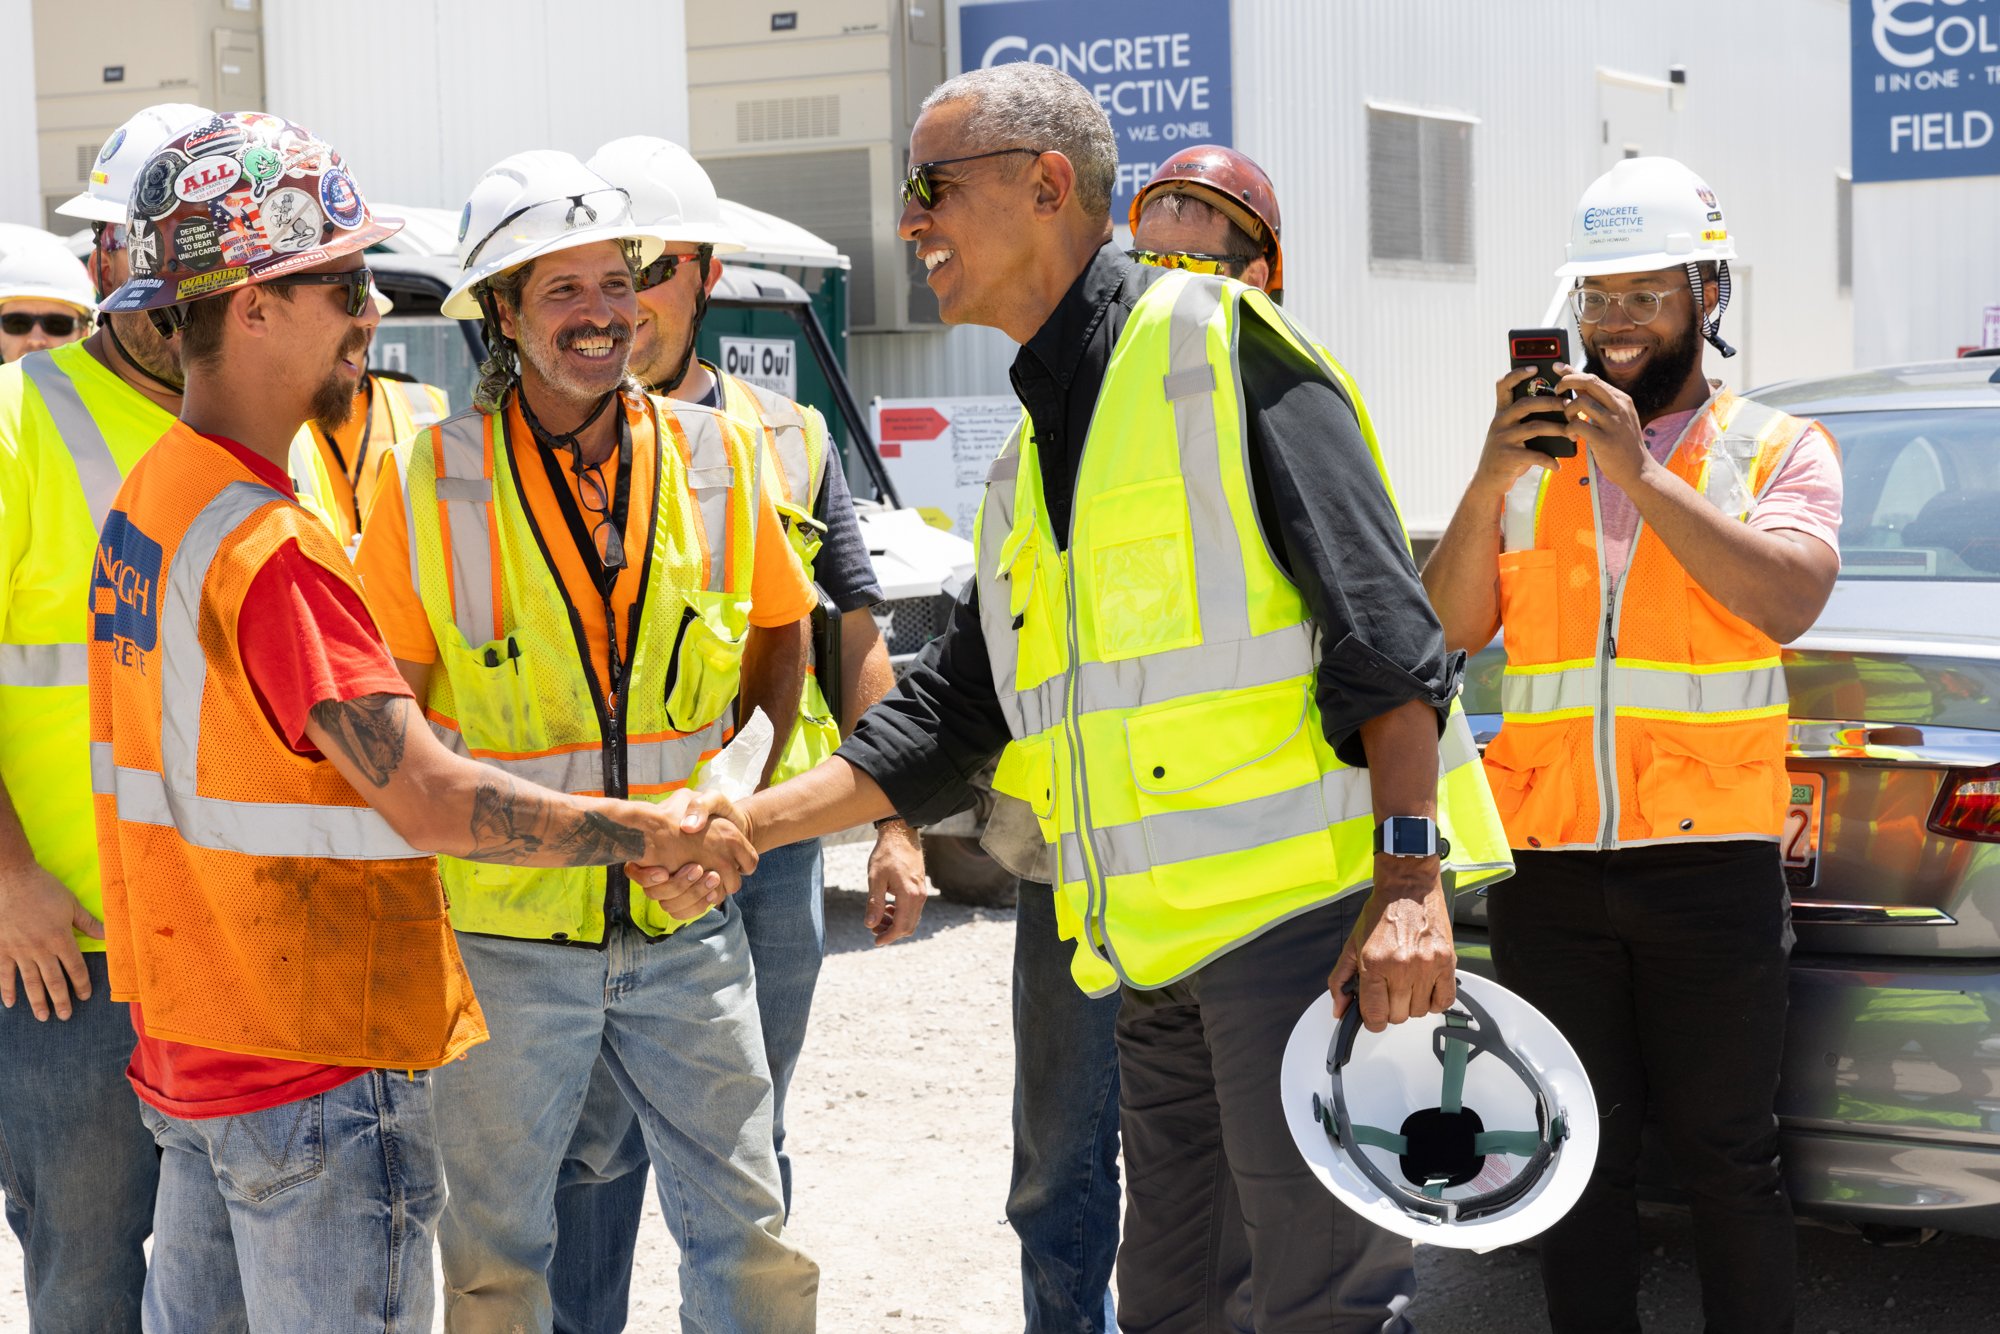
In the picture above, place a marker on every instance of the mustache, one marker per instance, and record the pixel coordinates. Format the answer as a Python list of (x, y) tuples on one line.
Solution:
[(617, 330)]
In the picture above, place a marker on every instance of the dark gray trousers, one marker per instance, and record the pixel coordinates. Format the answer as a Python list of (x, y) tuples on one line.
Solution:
[(1213, 1183)]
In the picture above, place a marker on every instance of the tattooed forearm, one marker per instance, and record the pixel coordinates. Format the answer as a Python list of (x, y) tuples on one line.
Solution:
[(522, 827), (368, 730)]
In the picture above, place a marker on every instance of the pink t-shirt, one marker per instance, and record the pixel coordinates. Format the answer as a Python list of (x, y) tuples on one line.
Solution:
[(1804, 497)]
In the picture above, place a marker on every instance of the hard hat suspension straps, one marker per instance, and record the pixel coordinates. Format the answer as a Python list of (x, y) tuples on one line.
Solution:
[(1711, 325), (706, 254)]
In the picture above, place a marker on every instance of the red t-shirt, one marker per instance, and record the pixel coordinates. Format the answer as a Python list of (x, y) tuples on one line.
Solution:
[(305, 638)]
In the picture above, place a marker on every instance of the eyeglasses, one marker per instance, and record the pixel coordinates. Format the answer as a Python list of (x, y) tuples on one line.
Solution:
[(662, 270), (111, 236), (919, 186), (356, 281), (615, 203), (18, 324), (604, 534), (1640, 307), (1226, 265)]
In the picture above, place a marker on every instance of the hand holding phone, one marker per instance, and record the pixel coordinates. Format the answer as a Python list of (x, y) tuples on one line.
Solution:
[(1541, 350)]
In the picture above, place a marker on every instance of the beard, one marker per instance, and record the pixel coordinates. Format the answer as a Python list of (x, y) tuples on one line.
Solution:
[(667, 360), (333, 401), (154, 354), (1666, 373), (580, 384)]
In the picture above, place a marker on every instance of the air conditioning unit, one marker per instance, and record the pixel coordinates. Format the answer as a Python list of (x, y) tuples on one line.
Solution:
[(806, 114), (92, 72)]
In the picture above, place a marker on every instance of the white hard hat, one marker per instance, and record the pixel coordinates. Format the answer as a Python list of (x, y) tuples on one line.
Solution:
[(669, 190), (123, 154), (36, 265), (1473, 1129), (383, 305), (1646, 214), (534, 204)]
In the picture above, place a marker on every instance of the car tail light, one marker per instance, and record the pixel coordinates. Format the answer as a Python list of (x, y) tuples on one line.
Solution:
[(1969, 805)]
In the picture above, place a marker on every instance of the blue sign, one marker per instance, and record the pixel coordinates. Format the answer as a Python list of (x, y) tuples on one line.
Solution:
[(1926, 86), (1160, 68)]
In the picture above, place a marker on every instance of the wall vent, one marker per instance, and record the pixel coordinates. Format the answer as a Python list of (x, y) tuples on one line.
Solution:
[(764, 120)]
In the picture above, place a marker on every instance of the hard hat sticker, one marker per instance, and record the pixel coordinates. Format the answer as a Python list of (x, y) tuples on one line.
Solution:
[(207, 177), (220, 135), (153, 192), (260, 167), (204, 283), (112, 145), (196, 245), (292, 220), (341, 200), (142, 246), (1619, 221), (237, 219)]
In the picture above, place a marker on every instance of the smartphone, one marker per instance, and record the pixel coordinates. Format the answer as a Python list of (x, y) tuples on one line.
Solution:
[(1542, 349)]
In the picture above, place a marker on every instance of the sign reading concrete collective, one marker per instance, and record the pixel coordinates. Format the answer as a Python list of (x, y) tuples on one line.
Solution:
[(1160, 68), (1926, 86)]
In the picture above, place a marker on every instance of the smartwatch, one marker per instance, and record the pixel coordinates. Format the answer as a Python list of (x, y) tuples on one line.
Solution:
[(1410, 836)]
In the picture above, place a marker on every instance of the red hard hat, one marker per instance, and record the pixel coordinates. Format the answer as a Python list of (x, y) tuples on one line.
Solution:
[(1233, 184), (236, 200)]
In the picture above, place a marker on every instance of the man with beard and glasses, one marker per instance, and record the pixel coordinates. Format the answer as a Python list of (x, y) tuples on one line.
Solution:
[(579, 581), (73, 421), (602, 1189), (268, 796), (1644, 587)]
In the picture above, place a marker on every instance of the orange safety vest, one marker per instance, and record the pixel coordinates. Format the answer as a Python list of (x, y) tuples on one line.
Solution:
[(252, 901), (1638, 710)]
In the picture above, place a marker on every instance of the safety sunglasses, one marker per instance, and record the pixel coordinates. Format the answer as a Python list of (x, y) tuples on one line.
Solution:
[(550, 218), (604, 534), (919, 187), (1640, 307), (663, 269), (1226, 265), (356, 282), (111, 236), (18, 324)]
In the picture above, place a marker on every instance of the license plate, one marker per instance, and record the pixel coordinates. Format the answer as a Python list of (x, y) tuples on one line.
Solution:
[(1800, 841)]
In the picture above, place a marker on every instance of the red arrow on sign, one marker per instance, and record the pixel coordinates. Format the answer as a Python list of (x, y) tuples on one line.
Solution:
[(900, 424)]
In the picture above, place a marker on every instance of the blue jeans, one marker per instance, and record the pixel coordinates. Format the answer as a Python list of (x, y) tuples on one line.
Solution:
[(1063, 1200), (675, 1021), (315, 1214), (602, 1188), (76, 1163)]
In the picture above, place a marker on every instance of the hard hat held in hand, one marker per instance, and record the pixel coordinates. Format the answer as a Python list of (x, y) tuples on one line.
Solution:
[(1473, 1129), (125, 151), (36, 266), (534, 204), (235, 200), (669, 191), (1646, 214)]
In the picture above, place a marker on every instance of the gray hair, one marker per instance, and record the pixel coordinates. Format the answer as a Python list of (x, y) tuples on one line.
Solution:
[(502, 366), (1242, 246), (1025, 105)]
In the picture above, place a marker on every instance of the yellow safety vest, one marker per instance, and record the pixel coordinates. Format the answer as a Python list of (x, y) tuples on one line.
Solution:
[(1157, 675), (70, 430), (512, 685), (796, 437), (398, 410)]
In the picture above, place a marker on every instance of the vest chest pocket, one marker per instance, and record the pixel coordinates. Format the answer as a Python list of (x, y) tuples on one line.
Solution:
[(707, 663), (1702, 780), (1138, 577), (1528, 616), (1533, 787), (493, 696)]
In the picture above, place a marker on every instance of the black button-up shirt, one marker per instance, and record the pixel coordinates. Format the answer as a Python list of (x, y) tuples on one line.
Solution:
[(1320, 503)]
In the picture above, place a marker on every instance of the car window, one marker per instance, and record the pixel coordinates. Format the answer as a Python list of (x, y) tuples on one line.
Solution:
[(1922, 494), (431, 348)]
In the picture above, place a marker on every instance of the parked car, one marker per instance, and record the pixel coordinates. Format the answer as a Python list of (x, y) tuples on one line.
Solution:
[(1890, 1098)]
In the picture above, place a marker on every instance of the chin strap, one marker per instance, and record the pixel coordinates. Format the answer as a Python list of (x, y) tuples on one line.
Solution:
[(672, 382), (1711, 325)]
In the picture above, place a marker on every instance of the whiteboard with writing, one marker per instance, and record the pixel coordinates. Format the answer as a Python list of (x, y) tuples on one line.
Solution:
[(937, 450)]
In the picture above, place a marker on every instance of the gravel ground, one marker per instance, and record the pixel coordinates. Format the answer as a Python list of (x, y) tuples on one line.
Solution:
[(901, 1143)]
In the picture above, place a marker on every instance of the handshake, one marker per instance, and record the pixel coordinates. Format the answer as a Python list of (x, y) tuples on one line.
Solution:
[(698, 846)]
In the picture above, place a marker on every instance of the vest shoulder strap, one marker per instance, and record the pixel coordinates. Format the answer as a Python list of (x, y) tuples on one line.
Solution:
[(1751, 444), (96, 469), (460, 480)]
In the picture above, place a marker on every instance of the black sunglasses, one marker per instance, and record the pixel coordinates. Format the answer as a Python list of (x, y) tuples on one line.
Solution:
[(18, 324), (919, 186), (663, 269), (356, 281)]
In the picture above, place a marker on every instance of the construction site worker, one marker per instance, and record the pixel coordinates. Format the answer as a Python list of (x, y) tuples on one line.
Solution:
[(598, 578), (1183, 687), (1643, 586), (266, 792), (46, 298), (81, 1164), (601, 1193), (336, 471)]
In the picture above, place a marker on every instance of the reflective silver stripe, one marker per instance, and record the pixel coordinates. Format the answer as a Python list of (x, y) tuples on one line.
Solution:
[(466, 492), (647, 763), (1185, 836), (171, 797), (103, 769), (1517, 514), (1190, 387), (422, 409), (1266, 659), (710, 476), (1667, 691), (402, 464), (44, 665), (1733, 455), (96, 468), (787, 425)]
